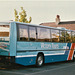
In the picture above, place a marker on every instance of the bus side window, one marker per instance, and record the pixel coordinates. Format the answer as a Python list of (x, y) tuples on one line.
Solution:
[(32, 33), (62, 36), (55, 35), (68, 36), (22, 33), (43, 34), (73, 37)]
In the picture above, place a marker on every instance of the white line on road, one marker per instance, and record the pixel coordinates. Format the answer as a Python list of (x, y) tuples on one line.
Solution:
[(19, 73)]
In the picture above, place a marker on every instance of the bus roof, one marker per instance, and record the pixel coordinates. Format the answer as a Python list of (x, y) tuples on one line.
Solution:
[(58, 28), (4, 23)]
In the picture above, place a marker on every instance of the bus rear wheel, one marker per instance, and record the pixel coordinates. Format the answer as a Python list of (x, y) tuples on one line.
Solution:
[(40, 60)]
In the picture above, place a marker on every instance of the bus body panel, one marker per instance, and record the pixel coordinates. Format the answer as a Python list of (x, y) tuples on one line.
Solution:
[(4, 39), (30, 58), (53, 52), (9, 48), (25, 60), (41, 46), (13, 39), (4, 48)]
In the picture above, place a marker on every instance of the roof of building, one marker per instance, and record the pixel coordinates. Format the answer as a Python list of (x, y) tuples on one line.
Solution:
[(66, 24)]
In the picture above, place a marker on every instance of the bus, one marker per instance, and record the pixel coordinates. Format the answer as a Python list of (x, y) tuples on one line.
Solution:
[(29, 44)]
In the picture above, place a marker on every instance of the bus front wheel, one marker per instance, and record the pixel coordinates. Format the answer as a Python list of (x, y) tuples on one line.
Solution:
[(40, 60)]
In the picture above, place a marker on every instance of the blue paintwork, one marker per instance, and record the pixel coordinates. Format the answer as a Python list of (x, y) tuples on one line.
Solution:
[(4, 50), (26, 60), (48, 59), (55, 58), (32, 60), (13, 39), (40, 46), (69, 47), (22, 46)]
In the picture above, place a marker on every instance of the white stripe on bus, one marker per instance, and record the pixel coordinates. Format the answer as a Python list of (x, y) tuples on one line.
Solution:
[(36, 55), (54, 54), (26, 56)]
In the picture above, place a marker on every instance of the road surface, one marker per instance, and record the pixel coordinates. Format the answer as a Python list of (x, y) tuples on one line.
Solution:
[(62, 68)]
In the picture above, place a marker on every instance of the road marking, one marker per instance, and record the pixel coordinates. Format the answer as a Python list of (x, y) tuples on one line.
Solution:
[(19, 73)]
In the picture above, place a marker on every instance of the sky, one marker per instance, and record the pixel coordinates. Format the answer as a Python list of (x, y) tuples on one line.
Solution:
[(41, 11)]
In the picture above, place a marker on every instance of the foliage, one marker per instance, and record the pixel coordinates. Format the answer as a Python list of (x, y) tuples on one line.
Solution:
[(22, 17)]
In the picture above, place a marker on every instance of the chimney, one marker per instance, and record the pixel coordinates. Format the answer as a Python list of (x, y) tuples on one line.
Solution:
[(57, 19)]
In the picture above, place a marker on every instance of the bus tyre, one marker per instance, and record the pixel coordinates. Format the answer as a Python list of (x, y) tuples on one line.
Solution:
[(39, 60)]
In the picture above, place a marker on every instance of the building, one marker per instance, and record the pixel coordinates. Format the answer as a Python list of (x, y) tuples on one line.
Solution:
[(65, 24)]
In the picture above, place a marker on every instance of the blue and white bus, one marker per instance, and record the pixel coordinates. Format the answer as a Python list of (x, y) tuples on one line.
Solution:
[(29, 44)]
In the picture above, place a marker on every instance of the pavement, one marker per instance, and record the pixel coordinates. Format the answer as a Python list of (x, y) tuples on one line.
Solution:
[(61, 68)]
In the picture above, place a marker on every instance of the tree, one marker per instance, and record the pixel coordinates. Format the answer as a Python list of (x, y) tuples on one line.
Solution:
[(22, 17)]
